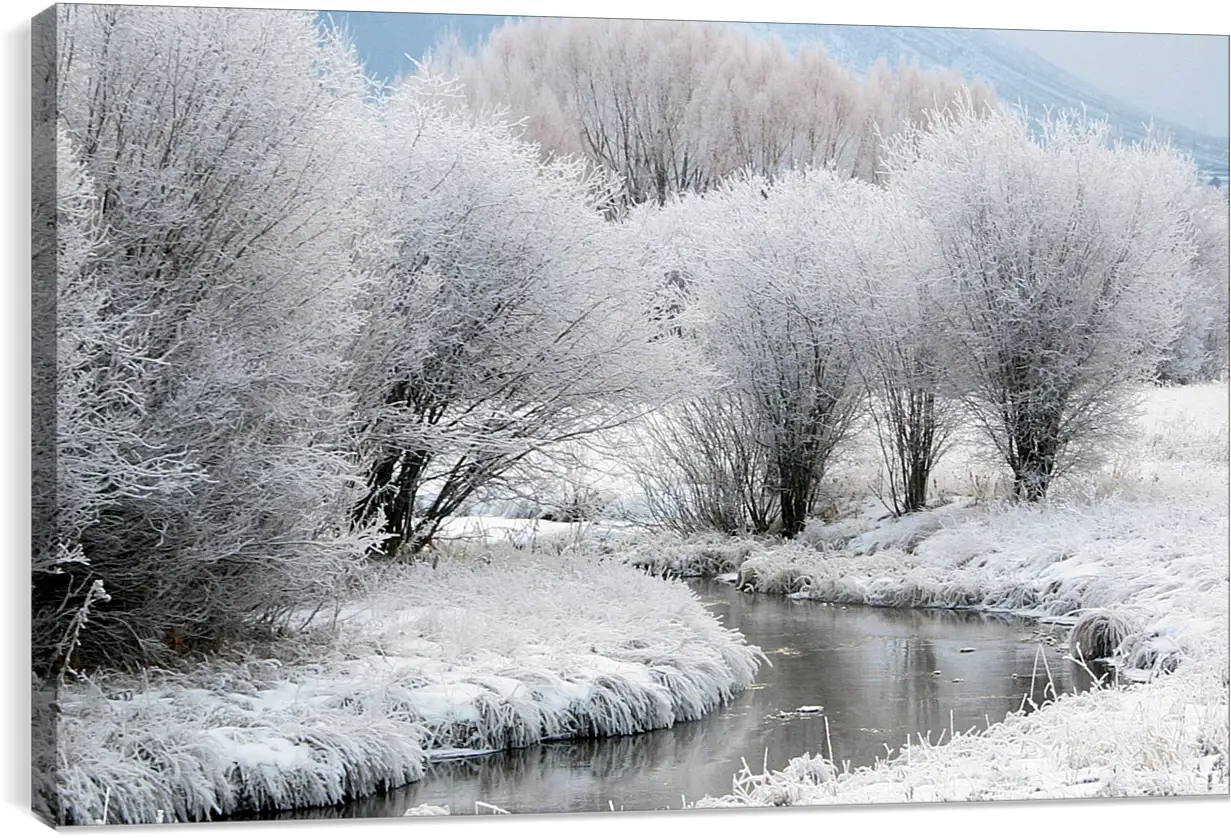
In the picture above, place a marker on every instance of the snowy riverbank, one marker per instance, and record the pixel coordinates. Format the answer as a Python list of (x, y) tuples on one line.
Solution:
[(1165, 739), (1161, 567), (501, 650), (510, 647), (1147, 540)]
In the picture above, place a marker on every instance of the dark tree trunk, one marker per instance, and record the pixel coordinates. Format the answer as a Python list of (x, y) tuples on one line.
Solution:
[(794, 514), (795, 502), (1034, 455), (920, 437), (393, 483)]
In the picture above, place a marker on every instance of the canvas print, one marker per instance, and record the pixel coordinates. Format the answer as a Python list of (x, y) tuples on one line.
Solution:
[(451, 415)]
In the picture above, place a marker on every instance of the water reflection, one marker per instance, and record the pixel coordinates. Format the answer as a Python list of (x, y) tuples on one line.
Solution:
[(880, 675)]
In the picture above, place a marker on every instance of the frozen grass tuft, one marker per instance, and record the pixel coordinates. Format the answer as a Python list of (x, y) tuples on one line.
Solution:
[(488, 651), (176, 744), (597, 646), (1098, 634), (788, 787), (702, 555)]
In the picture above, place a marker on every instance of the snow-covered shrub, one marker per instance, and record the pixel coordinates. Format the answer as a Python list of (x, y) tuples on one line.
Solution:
[(499, 324), (1065, 260), (226, 190), (93, 444)]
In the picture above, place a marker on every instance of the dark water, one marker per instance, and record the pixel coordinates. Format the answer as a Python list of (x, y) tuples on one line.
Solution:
[(871, 669)]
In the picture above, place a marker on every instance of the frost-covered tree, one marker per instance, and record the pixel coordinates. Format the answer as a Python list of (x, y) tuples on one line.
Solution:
[(768, 307), (898, 339), (677, 106), (623, 93), (1064, 258), (705, 466), (499, 322), (906, 97), (99, 366), (219, 148), (768, 110), (1199, 351), (97, 457), (708, 467)]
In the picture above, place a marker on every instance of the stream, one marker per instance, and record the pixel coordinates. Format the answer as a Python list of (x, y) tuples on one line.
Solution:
[(876, 675)]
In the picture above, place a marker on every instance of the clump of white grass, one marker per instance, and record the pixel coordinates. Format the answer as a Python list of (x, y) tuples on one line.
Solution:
[(701, 555), (1144, 655), (501, 649), (787, 787), (178, 743), (1098, 634)]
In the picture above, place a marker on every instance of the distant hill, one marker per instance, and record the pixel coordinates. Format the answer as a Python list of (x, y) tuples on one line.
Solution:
[(1020, 76)]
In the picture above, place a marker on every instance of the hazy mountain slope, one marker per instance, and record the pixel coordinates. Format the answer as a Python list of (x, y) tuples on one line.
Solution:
[(1019, 75)]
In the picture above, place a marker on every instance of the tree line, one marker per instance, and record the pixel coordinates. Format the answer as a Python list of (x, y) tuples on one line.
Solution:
[(1023, 282), (678, 106), (300, 319)]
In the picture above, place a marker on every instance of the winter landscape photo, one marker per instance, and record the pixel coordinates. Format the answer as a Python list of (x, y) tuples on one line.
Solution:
[(440, 414)]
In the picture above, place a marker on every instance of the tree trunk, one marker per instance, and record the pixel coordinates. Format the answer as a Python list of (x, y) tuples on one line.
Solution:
[(1034, 456), (920, 438), (794, 513), (795, 494), (395, 497)]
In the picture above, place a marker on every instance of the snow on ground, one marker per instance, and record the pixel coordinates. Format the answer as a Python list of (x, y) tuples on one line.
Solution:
[(1162, 564), (535, 534), (1145, 539), (500, 649)]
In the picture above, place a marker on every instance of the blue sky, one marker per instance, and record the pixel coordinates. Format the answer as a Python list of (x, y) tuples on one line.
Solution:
[(384, 39)]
